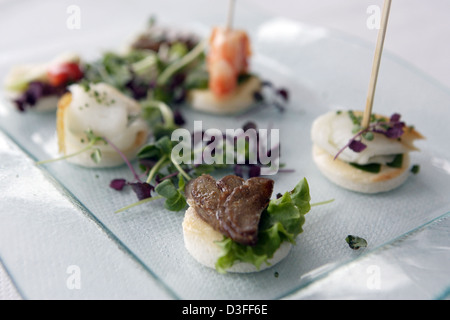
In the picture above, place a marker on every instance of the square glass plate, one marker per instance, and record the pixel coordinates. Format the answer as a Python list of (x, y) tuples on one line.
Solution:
[(322, 70)]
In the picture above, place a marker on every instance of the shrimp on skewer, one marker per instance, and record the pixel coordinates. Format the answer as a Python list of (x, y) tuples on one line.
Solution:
[(227, 59)]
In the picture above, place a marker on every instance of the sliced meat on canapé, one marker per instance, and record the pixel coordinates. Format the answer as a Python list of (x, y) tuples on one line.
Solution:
[(231, 205), (203, 194)]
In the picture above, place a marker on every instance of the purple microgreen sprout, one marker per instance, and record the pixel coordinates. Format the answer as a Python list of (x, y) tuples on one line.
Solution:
[(142, 189), (270, 95), (284, 94), (124, 158), (178, 118), (118, 184), (392, 129), (254, 171)]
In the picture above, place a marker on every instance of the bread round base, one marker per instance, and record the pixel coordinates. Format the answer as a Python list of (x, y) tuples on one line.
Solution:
[(242, 99), (351, 178), (199, 240)]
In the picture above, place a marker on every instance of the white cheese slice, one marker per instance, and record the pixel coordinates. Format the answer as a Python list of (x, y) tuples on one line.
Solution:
[(333, 130)]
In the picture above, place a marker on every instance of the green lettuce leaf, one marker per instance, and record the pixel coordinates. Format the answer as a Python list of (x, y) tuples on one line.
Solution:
[(175, 200), (281, 221)]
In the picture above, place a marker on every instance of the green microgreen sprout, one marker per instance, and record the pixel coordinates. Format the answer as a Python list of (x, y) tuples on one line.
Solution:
[(162, 150), (92, 140), (173, 68), (356, 242), (415, 169)]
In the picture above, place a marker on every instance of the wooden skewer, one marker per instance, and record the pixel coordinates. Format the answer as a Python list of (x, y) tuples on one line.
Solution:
[(376, 63), (230, 14)]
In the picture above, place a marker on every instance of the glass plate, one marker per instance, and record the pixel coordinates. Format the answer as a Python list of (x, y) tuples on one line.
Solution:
[(323, 71)]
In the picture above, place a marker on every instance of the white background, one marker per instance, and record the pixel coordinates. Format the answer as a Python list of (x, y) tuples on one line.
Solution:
[(418, 30)]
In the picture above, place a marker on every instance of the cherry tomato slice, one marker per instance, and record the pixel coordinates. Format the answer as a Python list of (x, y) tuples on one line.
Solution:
[(62, 74)]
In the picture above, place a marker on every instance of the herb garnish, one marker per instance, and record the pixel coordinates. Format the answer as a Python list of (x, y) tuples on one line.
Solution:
[(356, 242), (147, 74), (92, 140), (175, 199), (160, 117), (391, 128), (118, 184), (272, 95), (164, 173), (415, 169)]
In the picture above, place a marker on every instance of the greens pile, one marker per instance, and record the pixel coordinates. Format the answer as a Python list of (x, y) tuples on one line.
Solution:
[(164, 175), (149, 75)]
